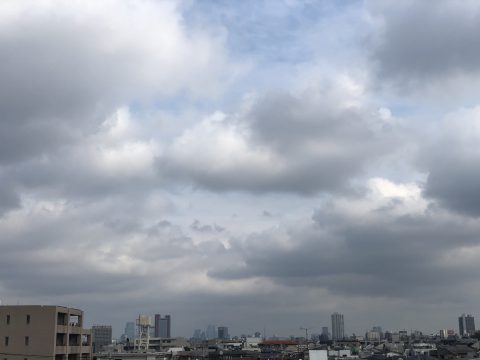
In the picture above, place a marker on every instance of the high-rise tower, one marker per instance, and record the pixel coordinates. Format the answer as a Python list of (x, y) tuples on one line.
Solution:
[(338, 330), (466, 325), (162, 326)]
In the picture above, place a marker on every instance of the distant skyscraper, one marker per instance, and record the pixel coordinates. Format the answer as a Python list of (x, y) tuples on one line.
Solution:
[(130, 331), (211, 332), (466, 325), (162, 326), (101, 337), (197, 334), (223, 333), (338, 330), (324, 336)]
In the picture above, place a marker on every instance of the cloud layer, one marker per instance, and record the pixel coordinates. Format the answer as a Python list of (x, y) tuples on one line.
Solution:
[(179, 159)]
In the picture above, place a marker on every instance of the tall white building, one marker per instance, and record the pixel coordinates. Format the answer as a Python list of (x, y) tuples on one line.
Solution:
[(338, 329)]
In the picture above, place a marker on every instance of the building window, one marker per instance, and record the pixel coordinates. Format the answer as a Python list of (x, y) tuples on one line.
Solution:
[(28, 319), (6, 340), (27, 340), (8, 319)]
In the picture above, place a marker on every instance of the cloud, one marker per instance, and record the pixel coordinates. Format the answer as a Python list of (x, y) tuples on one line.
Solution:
[(65, 67), (69, 245), (418, 44), (390, 244), (138, 161), (305, 143), (450, 159)]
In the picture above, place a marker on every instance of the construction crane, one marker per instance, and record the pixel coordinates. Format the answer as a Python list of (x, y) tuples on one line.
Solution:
[(306, 332)]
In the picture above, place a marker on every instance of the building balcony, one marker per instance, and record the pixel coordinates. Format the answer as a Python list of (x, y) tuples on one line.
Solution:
[(62, 329), (74, 349), (75, 329), (60, 349)]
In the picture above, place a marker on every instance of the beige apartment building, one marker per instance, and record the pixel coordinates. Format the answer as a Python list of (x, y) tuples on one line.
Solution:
[(35, 332)]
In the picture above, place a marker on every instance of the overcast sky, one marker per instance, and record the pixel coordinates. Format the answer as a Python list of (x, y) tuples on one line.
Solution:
[(242, 163)]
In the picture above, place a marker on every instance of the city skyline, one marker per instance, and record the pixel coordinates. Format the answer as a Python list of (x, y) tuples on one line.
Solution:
[(249, 164), (211, 331)]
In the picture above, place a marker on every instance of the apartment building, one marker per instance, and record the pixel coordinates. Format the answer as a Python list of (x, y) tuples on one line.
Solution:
[(35, 332), (101, 337)]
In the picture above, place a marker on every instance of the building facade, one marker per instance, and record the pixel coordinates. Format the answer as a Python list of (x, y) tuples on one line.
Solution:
[(210, 332), (466, 325), (162, 326), (338, 329), (223, 333), (324, 336), (162, 344), (29, 332), (101, 337), (130, 331)]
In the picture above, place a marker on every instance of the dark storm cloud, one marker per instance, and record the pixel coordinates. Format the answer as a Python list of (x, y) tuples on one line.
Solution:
[(304, 143), (420, 41), (377, 254)]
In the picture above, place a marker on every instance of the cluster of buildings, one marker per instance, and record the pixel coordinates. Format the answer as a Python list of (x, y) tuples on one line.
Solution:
[(161, 327), (34, 332), (211, 332)]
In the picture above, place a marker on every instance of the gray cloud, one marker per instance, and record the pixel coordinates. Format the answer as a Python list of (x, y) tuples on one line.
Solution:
[(9, 198), (199, 227), (63, 74), (304, 143), (378, 254), (455, 182), (62, 254), (450, 158), (94, 158), (421, 41)]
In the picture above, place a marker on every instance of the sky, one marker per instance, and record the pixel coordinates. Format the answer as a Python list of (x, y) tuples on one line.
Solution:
[(253, 164)]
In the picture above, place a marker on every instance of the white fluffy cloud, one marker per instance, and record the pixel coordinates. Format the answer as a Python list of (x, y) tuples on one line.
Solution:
[(66, 66)]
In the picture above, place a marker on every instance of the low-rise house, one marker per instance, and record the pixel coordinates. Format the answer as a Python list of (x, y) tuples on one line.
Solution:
[(278, 346), (458, 351)]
